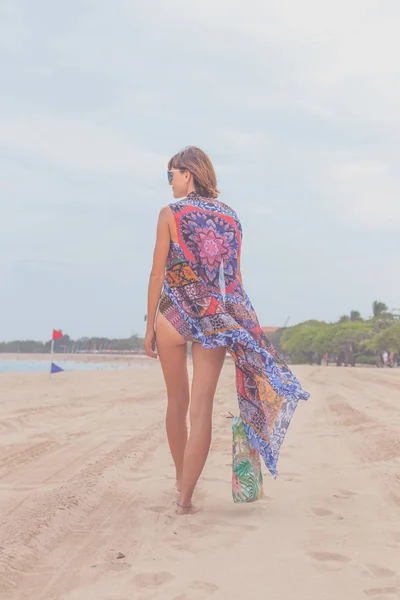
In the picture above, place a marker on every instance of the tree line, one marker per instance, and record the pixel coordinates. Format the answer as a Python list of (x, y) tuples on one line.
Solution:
[(68, 345), (350, 340)]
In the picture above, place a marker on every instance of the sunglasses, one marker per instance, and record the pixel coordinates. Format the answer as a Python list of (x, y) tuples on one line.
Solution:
[(171, 172)]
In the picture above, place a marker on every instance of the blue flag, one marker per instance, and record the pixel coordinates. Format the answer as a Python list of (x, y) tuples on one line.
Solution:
[(55, 368)]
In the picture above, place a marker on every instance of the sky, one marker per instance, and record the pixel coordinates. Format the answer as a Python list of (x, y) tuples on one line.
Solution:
[(296, 103)]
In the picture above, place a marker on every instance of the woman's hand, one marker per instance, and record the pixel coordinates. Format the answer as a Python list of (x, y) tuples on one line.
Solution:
[(150, 343)]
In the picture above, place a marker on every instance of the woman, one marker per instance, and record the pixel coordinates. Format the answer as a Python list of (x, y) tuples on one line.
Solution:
[(197, 287)]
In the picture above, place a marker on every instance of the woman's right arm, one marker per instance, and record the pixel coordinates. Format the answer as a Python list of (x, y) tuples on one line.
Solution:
[(156, 280)]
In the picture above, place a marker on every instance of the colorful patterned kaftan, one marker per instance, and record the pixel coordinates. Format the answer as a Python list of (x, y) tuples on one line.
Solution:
[(204, 300)]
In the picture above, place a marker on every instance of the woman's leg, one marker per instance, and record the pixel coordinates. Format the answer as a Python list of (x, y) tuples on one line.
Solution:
[(207, 365), (172, 351)]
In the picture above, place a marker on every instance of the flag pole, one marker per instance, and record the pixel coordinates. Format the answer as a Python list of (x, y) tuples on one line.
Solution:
[(53, 367), (51, 355)]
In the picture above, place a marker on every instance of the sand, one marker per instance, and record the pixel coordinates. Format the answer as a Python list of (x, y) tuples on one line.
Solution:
[(85, 474)]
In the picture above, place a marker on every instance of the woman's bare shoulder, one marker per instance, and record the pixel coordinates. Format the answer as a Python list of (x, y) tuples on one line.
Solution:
[(165, 212)]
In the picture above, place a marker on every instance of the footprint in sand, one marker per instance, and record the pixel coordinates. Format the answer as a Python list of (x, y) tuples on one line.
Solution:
[(344, 494), (325, 512), (119, 566), (321, 512), (380, 572), (372, 592), (153, 580), (329, 557), (210, 588)]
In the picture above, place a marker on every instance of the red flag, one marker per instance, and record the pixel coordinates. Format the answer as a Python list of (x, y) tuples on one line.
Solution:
[(57, 334)]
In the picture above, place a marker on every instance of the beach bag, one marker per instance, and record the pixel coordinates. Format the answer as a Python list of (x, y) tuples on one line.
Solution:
[(247, 482)]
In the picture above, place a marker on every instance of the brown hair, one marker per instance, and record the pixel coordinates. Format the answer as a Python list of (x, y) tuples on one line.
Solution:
[(196, 161)]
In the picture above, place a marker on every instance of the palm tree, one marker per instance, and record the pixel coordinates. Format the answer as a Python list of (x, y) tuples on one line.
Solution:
[(378, 308)]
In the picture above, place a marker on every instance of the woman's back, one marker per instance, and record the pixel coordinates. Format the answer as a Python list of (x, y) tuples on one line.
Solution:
[(210, 237)]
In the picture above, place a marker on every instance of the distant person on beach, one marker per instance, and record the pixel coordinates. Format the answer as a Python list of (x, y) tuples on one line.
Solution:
[(391, 359), (385, 357), (196, 295)]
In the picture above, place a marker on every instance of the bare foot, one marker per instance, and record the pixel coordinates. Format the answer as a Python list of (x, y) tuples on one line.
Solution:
[(186, 510)]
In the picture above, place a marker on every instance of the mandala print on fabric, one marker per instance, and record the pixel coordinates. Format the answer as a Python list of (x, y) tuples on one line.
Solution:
[(193, 300), (211, 239)]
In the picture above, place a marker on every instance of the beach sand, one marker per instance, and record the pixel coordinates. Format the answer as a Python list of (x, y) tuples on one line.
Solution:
[(85, 474)]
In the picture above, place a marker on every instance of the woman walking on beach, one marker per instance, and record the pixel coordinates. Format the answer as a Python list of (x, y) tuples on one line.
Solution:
[(196, 295)]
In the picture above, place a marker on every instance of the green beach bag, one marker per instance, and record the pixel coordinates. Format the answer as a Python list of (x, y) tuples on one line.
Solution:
[(247, 481)]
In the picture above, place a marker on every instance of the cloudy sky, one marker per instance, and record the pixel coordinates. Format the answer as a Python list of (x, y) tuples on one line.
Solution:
[(297, 103)]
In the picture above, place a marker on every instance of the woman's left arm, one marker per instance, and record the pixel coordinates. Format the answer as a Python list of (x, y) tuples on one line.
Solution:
[(156, 280)]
